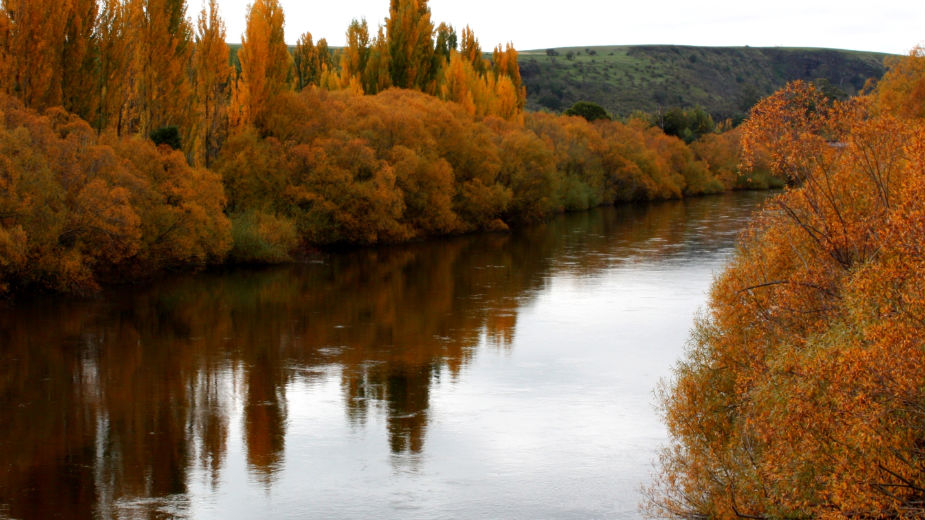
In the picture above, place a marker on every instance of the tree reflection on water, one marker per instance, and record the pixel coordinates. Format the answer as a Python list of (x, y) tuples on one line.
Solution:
[(109, 404)]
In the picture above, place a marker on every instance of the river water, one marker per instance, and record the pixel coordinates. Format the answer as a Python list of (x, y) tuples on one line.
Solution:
[(504, 376)]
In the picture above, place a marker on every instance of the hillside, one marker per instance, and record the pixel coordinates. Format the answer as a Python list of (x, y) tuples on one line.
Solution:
[(725, 81)]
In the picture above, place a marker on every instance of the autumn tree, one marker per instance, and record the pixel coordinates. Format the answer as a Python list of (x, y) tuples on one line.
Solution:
[(75, 208), (446, 42), (410, 34), (35, 32), (162, 38), (113, 59), (212, 82), (471, 51), (78, 59), (802, 392), (265, 62), (376, 77), (309, 61), (901, 91), (504, 64), (325, 56), (355, 55), (6, 58)]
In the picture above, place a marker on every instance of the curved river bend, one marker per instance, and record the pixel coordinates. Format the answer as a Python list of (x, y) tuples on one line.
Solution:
[(492, 376)]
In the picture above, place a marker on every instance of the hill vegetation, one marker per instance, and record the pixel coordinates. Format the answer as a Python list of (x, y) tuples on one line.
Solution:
[(725, 81)]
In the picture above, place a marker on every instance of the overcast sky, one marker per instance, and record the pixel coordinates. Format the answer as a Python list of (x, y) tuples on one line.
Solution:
[(887, 25)]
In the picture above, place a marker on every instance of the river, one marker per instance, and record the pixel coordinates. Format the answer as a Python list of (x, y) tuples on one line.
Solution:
[(489, 376)]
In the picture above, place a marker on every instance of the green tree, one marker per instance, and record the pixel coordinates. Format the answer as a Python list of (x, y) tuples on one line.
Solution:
[(588, 110)]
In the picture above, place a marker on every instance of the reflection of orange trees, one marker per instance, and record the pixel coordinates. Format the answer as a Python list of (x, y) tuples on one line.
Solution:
[(125, 398), (803, 395)]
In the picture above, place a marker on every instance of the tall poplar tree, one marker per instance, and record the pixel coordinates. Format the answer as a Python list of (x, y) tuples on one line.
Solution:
[(163, 39), (355, 55), (265, 62), (504, 63), (305, 62), (410, 33), (212, 84), (34, 43), (79, 58), (112, 75)]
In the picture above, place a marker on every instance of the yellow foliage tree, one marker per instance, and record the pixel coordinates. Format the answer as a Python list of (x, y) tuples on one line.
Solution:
[(265, 62), (410, 33), (162, 93), (213, 84), (802, 394)]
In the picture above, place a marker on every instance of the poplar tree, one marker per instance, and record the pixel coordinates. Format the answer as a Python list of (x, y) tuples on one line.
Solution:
[(410, 34), (163, 43), (33, 50), (377, 77), (212, 82), (471, 51), (112, 79), (355, 55), (504, 63), (306, 62), (265, 62), (79, 58)]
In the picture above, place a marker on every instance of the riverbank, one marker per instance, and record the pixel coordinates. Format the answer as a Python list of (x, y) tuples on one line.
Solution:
[(328, 168)]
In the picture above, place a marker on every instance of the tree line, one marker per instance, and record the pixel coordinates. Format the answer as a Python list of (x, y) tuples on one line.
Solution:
[(802, 394), (134, 140)]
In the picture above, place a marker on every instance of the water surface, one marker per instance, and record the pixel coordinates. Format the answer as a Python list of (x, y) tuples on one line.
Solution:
[(490, 376)]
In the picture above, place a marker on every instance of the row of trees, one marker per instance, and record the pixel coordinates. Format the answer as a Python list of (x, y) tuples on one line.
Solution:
[(134, 66), (802, 395), (409, 134)]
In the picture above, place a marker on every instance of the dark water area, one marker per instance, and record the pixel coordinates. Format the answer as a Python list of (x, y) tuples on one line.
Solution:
[(488, 376)]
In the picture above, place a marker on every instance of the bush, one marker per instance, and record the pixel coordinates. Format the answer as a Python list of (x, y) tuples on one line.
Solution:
[(260, 238)]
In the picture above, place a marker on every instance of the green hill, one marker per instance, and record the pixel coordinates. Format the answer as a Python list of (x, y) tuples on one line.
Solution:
[(725, 81)]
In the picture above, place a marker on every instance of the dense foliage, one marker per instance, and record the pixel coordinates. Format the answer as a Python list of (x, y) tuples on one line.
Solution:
[(803, 393), (75, 207), (404, 134)]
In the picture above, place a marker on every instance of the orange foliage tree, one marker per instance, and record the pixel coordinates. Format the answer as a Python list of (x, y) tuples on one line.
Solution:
[(162, 92), (410, 34), (34, 39), (75, 209), (802, 393), (213, 84), (265, 62)]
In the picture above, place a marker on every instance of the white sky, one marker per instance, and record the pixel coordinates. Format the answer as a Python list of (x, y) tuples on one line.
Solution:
[(887, 25)]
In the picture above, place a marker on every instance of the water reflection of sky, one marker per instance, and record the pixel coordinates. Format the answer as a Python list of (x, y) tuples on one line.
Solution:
[(482, 377)]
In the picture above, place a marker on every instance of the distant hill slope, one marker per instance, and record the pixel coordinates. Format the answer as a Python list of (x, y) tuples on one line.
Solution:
[(725, 81)]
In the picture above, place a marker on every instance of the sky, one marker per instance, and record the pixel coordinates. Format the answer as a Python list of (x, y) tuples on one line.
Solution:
[(892, 26)]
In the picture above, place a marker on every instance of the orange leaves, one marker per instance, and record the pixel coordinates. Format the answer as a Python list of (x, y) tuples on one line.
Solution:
[(265, 62), (410, 34), (212, 84), (901, 91), (810, 363), (76, 209), (161, 41)]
